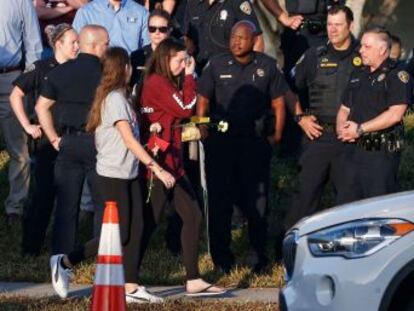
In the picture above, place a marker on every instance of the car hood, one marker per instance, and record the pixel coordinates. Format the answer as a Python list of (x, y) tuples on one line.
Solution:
[(398, 205)]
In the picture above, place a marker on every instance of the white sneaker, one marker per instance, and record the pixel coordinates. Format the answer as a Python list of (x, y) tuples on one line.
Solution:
[(60, 276), (141, 295)]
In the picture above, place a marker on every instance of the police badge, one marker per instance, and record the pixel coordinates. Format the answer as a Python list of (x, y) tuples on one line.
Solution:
[(403, 76), (246, 8), (357, 61)]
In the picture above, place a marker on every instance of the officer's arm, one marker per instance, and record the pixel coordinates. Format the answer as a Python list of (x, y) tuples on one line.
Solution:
[(282, 16), (17, 104), (279, 111), (259, 44), (341, 119), (393, 115), (42, 108)]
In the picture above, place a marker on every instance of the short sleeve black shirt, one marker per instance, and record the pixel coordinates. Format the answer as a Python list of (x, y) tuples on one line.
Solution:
[(31, 80), (241, 94), (371, 93), (209, 26), (138, 60), (72, 85)]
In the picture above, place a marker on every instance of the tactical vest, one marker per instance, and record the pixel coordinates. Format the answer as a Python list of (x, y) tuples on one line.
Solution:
[(331, 79)]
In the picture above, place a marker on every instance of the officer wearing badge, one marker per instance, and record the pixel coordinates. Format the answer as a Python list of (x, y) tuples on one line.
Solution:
[(64, 40), (208, 24), (323, 72), (246, 89), (370, 118)]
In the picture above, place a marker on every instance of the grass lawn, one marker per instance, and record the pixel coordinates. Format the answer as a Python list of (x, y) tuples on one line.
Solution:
[(161, 268)]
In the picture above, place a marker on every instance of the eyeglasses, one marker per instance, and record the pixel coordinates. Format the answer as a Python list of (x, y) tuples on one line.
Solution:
[(162, 29)]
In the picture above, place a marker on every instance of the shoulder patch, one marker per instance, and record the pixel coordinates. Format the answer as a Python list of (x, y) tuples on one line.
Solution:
[(357, 61), (246, 8), (30, 68), (404, 76), (300, 59)]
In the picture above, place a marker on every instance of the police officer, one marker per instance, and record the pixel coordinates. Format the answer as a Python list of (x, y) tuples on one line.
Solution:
[(311, 33), (323, 72), (370, 118), (246, 89), (71, 88), (208, 23), (64, 40)]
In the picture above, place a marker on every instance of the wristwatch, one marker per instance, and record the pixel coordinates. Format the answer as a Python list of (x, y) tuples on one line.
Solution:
[(359, 130), (298, 117)]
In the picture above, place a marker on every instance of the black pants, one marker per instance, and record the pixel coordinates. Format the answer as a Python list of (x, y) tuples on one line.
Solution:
[(75, 162), (321, 160), (127, 194), (237, 172), (373, 172), (38, 214), (184, 201)]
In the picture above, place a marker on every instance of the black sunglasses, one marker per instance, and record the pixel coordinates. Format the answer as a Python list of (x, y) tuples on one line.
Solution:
[(163, 29)]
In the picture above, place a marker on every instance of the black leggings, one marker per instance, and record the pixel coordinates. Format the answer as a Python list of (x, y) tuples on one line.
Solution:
[(127, 194), (185, 203)]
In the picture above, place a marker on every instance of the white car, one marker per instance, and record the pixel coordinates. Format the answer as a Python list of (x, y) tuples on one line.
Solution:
[(356, 257)]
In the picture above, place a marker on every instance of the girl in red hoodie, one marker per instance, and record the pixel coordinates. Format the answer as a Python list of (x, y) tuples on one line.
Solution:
[(167, 97)]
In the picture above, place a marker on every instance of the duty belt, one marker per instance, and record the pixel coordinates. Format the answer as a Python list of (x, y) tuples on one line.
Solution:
[(376, 141)]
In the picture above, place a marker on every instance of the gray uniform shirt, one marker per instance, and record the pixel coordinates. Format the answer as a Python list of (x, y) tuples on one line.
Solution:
[(114, 160)]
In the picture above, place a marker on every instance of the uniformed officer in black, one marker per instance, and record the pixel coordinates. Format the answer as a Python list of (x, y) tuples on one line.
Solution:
[(323, 72), (64, 40), (71, 88), (370, 118), (208, 23), (246, 89)]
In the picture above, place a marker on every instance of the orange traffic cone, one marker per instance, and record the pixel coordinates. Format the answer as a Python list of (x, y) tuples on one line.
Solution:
[(108, 290)]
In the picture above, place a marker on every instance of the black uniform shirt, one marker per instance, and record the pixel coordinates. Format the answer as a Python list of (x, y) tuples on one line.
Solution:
[(31, 80), (72, 85), (371, 93), (209, 26), (241, 94), (138, 59)]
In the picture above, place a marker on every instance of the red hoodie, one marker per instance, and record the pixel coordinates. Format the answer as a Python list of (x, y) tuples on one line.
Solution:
[(162, 102)]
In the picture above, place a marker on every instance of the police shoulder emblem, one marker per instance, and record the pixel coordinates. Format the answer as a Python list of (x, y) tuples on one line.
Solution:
[(381, 77), (30, 68), (260, 72), (403, 76), (223, 15), (246, 8), (357, 61)]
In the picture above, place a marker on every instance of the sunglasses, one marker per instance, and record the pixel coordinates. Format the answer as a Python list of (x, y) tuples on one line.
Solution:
[(162, 29)]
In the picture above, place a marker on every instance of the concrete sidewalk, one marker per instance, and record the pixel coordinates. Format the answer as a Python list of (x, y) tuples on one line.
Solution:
[(39, 290)]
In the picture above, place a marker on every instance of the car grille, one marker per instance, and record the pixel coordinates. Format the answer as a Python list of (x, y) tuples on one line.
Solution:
[(289, 253)]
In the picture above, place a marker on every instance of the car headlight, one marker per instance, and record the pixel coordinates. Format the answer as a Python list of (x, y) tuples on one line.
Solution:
[(357, 238)]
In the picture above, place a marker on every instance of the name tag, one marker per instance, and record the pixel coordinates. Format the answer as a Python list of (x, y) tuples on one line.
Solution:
[(226, 76), (141, 67), (329, 65), (132, 19)]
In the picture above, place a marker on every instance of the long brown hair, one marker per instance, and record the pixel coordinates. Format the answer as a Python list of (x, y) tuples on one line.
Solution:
[(113, 77), (159, 62)]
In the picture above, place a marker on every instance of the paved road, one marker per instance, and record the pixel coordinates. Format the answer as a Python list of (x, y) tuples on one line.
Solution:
[(37, 290)]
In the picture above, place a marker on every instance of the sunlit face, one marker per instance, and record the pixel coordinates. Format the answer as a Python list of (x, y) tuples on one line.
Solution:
[(68, 45), (177, 63), (241, 41), (338, 28), (158, 30), (372, 49), (102, 43)]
